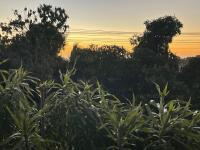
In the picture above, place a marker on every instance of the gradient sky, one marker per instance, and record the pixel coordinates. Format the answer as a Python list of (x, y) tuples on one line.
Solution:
[(115, 21)]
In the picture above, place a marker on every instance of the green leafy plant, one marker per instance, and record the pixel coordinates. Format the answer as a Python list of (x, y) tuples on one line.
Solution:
[(14, 85), (77, 115), (26, 127), (170, 124), (121, 122)]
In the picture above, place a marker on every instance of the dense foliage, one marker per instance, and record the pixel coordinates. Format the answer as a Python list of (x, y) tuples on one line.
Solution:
[(93, 106), (78, 115), (123, 73), (190, 75), (33, 39)]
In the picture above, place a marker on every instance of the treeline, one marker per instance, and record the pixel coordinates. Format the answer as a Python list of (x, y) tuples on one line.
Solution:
[(124, 73), (33, 40)]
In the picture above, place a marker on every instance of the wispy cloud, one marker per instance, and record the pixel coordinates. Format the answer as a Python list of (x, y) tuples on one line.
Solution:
[(100, 31)]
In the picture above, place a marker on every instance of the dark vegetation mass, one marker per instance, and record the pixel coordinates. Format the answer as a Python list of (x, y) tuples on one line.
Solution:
[(101, 97)]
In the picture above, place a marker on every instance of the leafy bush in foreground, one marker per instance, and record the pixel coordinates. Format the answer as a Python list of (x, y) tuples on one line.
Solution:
[(78, 116)]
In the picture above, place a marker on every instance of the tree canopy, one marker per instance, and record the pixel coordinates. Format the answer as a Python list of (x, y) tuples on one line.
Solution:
[(158, 34), (34, 39)]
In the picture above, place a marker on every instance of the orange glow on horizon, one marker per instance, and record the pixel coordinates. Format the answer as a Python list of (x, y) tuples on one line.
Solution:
[(185, 45)]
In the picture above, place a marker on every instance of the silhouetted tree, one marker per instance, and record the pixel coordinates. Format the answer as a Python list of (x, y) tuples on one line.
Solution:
[(152, 54), (34, 39), (158, 34), (152, 48)]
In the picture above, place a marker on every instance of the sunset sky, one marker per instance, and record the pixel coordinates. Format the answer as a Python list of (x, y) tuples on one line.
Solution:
[(115, 21)]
